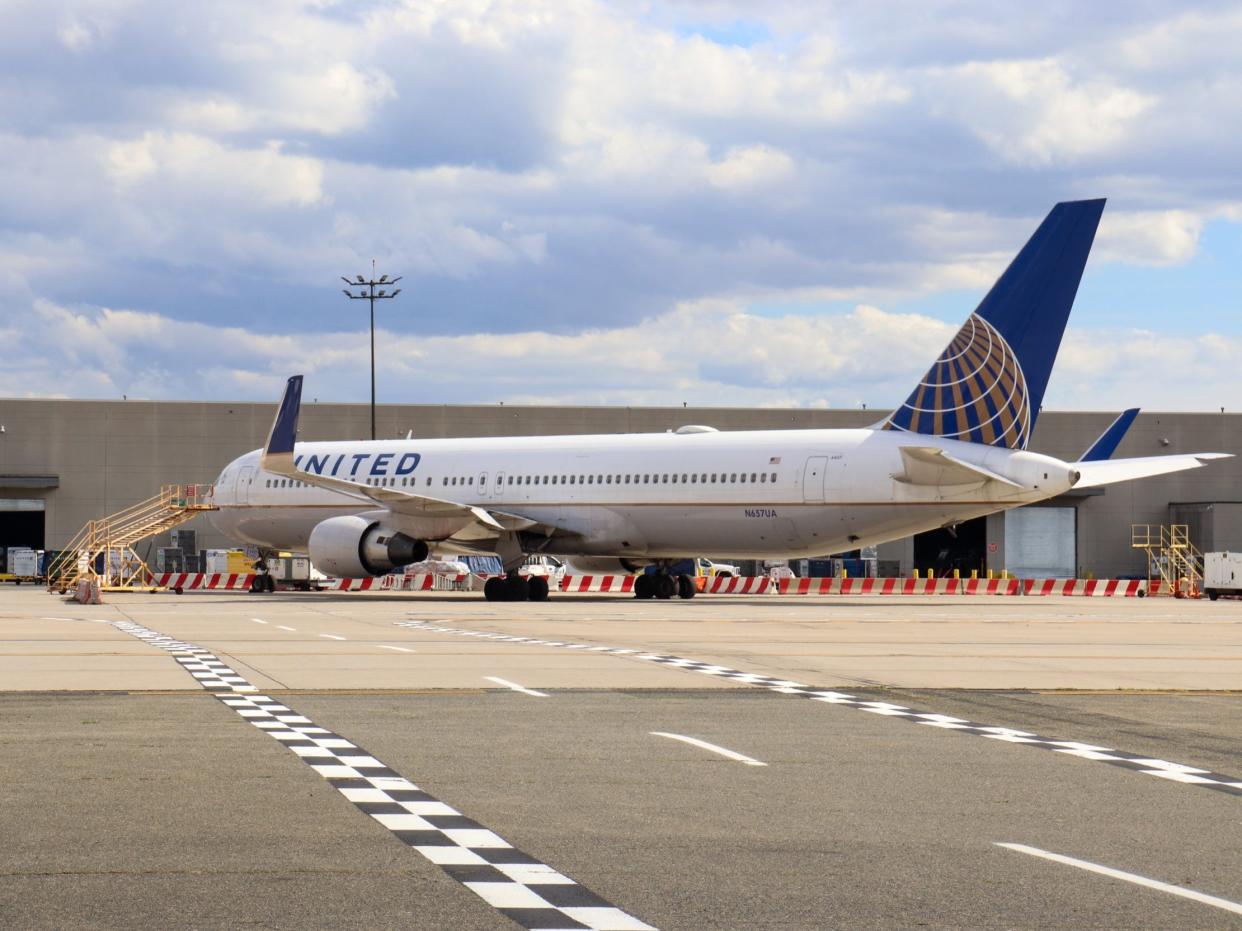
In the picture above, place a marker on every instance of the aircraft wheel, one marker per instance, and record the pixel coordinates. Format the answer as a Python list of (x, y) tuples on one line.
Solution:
[(494, 589), (685, 586), (665, 586), (644, 586), (538, 588), (516, 588)]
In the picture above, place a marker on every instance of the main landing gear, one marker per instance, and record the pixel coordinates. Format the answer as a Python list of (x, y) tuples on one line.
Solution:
[(262, 582), (514, 587), (663, 585)]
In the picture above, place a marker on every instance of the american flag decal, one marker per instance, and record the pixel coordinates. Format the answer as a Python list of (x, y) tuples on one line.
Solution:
[(974, 392)]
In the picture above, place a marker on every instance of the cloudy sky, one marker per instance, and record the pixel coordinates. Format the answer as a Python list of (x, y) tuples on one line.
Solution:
[(624, 203)]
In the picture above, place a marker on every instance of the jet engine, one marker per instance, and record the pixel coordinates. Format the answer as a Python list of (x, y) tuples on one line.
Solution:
[(351, 547)]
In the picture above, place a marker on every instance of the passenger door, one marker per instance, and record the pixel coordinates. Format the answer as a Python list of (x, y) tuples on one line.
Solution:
[(244, 478), (813, 480), (498, 489)]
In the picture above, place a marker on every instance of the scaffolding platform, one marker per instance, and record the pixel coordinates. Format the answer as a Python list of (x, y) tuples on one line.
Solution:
[(1174, 564), (103, 551)]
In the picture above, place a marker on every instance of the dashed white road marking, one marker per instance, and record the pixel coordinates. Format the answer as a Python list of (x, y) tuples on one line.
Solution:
[(517, 688), (703, 744), (283, 627), (1203, 897), (60, 619), (1136, 762), (332, 636), (258, 620), (384, 646)]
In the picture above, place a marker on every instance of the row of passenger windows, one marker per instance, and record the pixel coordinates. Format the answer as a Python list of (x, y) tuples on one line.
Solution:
[(644, 478)]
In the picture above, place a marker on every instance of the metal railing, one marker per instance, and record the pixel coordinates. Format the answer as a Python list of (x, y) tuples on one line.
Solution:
[(103, 550), (1171, 558)]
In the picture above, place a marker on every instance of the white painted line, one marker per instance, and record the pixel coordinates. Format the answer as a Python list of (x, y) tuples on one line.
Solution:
[(62, 619), (517, 688), (258, 621), (283, 627), (332, 636), (1228, 906), (384, 646), (703, 744)]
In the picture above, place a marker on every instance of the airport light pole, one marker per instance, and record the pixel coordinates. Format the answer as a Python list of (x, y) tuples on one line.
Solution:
[(366, 292)]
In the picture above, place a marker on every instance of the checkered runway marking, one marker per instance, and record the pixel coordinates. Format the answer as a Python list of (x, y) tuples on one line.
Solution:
[(517, 885), (1163, 769)]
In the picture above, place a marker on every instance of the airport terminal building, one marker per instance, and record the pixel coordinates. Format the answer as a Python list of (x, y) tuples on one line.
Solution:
[(64, 462)]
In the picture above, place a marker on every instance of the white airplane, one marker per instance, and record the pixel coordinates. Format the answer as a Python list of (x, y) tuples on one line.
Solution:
[(955, 450)]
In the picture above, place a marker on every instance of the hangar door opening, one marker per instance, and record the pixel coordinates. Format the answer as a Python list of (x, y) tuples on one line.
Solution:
[(21, 524), (1041, 543), (962, 548)]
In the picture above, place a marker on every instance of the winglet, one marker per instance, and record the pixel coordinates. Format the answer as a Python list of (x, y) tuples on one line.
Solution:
[(285, 426), (1110, 439)]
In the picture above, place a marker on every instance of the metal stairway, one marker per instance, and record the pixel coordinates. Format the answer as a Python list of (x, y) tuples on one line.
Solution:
[(104, 549), (1171, 558)]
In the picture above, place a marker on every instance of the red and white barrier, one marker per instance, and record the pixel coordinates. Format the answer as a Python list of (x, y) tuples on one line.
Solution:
[(1096, 588), (191, 581), (203, 580), (758, 585), (597, 583), (737, 585)]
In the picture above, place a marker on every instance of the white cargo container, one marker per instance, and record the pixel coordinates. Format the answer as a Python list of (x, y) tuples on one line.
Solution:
[(1222, 574), (295, 572), (23, 564)]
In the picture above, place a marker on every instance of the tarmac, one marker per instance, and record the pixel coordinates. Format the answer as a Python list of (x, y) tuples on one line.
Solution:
[(725, 762)]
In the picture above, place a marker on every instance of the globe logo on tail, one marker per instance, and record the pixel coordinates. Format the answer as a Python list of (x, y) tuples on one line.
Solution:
[(974, 392)]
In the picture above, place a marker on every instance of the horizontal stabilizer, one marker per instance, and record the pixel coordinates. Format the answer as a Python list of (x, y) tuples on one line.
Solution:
[(1110, 439), (1110, 471), (930, 465)]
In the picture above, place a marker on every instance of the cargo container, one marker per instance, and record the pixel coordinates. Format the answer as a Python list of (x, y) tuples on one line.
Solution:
[(228, 562), (1222, 574), (295, 572), (23, 564)]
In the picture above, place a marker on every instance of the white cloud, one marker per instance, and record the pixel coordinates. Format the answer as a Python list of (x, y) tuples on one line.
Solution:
[(1149, 237), (749, 166), (544, 171), (1034, 111)]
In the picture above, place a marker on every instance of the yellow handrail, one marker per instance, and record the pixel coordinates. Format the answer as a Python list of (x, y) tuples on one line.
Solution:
[(113, 538)]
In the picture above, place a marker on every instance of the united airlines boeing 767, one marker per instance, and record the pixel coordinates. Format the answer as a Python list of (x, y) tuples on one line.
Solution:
[(955, 450)]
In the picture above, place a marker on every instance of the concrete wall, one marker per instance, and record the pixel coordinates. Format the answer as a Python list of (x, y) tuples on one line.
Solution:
[(110, 454)]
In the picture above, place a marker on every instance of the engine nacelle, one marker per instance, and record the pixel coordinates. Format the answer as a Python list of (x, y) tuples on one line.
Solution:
[(604, 565), (352, 547)]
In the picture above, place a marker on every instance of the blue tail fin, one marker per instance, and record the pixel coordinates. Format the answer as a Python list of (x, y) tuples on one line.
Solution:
[(988, 384)]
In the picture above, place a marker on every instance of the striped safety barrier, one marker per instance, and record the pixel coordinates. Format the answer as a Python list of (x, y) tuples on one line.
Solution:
[(736, 585), (191, 581), (598, 583), (759, 585)]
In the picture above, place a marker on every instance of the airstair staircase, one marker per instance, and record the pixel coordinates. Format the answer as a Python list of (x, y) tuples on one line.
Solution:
[(1174, 564), (103, 551)]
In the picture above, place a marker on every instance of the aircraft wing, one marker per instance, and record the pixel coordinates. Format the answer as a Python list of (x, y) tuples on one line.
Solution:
[(277, 458), (930, 465), (1108, 471)]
